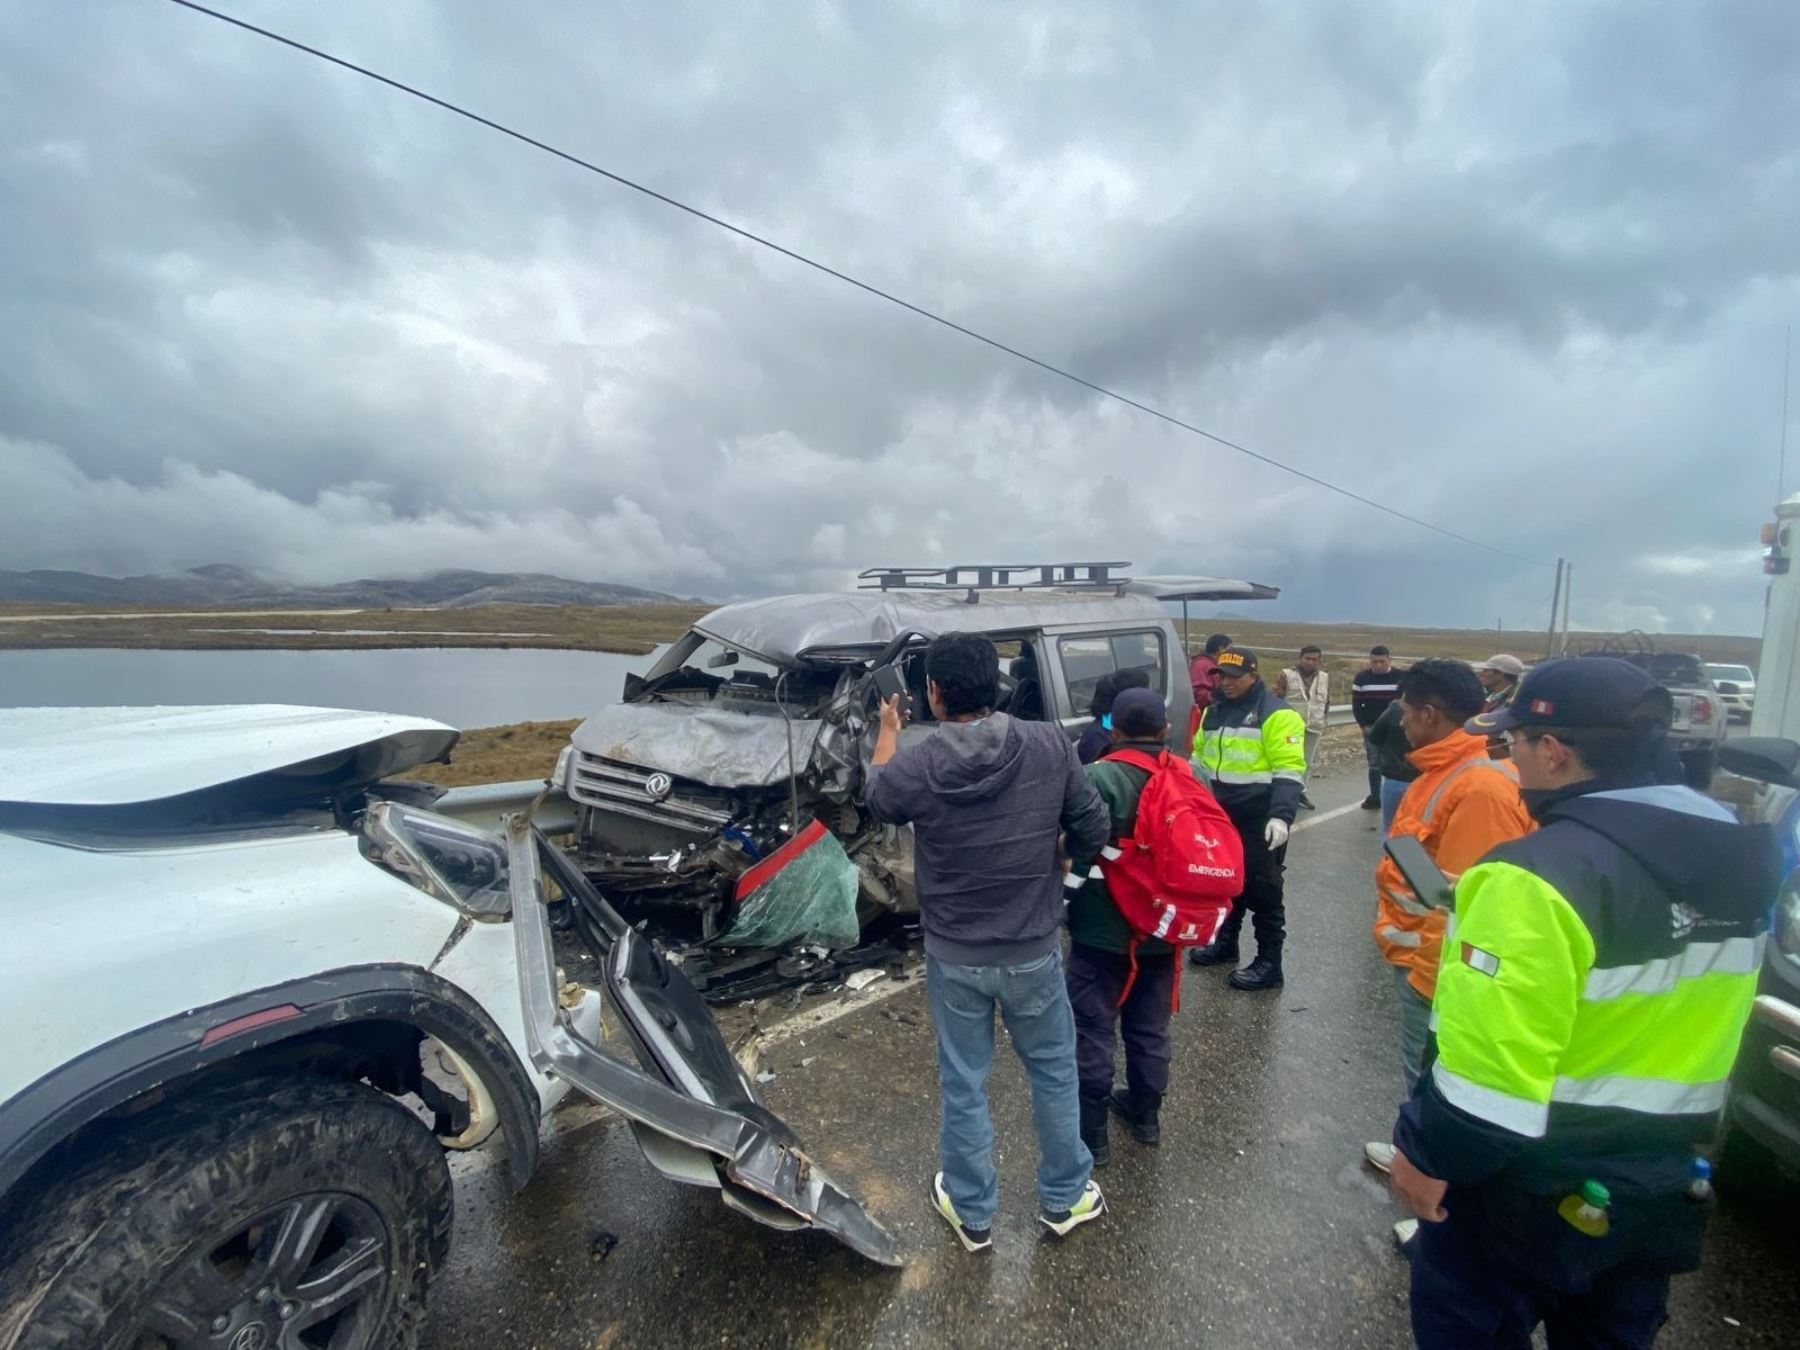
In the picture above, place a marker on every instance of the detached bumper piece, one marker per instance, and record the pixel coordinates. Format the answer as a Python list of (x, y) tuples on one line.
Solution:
[(694, 1110)]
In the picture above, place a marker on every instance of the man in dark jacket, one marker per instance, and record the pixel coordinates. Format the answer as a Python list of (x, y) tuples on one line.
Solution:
[(1375, 688), (1100, 955), (988, 796), (1589, 1006), (1388, 738)]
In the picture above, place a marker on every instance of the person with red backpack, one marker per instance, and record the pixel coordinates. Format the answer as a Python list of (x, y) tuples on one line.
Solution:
[(1165, 881)]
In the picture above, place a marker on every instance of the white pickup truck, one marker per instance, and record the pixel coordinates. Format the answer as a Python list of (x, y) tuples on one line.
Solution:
[(1700, 710), (254, 987)]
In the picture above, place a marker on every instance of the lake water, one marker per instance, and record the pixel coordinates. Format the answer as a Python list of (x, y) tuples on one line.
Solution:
[(466, 687)]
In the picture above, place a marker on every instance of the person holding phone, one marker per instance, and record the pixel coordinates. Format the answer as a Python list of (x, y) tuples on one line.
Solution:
[(989, 797), (1460, 806)]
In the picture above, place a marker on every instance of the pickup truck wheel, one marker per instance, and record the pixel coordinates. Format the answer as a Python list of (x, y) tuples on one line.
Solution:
[(292, 1213)]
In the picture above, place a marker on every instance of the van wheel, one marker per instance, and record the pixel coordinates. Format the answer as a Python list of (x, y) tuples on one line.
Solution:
[(292, 1212)]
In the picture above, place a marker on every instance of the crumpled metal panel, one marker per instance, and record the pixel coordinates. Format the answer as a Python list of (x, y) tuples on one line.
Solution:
[(785, 628), (685, 1085), (720, 747)]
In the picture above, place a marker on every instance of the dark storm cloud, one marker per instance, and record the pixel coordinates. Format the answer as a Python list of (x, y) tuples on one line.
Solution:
[(259, 311)]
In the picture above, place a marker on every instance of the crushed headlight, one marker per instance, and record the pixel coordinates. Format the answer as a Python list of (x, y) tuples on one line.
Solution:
[(457, 863)]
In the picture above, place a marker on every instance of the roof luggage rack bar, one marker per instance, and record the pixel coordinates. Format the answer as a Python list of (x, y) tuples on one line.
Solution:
[(973, 577)]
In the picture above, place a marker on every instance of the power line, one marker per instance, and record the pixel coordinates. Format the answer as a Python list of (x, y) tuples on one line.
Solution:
[(849, 280)]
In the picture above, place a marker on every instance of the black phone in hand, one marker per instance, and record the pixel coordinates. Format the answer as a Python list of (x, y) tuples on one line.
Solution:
[(1421, 873), (891, 681)]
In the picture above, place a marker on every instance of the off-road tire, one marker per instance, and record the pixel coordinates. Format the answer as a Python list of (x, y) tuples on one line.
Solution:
[(89, 1254)]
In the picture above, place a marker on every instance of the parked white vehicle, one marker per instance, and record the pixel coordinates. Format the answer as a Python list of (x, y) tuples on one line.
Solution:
[(1737, 688), (254, 989)]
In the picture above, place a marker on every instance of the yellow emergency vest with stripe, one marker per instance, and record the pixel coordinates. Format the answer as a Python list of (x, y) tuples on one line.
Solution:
[(1252, 752), (1596, 979)]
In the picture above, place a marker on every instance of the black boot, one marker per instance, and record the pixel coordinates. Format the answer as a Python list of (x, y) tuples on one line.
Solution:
[(1140, 1112), (1221, 951), (1262, 973), (1093, 1127)]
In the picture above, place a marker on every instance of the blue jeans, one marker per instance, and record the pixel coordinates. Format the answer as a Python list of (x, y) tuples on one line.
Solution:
[(1034, 1003), (1392, 790)]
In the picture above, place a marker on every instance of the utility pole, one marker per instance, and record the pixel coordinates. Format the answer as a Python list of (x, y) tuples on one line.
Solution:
[(1568, 590), (1555, 603)]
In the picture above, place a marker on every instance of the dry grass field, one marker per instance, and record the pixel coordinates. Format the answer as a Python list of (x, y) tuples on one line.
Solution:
[(500, 755)]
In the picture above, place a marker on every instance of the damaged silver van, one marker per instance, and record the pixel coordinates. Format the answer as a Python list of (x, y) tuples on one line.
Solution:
[(720, 798)]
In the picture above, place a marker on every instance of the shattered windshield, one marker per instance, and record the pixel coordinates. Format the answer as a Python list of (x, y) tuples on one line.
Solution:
[(704, 655)]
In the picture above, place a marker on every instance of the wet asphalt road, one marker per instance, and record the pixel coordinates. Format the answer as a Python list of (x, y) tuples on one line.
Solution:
[(1254, 1224)]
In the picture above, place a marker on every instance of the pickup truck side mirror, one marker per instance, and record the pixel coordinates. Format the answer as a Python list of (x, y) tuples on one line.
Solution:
[(1727, 687), (1766, 759)]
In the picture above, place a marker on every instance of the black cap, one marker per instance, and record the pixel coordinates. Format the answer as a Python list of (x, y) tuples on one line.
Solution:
[(1600, 692), (1236, 661)]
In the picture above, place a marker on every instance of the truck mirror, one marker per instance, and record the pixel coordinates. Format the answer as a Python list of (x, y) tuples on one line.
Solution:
[(1766, 759)]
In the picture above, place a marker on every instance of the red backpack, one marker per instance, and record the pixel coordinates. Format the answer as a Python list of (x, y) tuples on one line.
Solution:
[(1175, 876)]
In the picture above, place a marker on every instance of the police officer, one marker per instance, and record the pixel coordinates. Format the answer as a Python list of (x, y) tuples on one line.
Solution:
[(1251, 751), (1595, 980)]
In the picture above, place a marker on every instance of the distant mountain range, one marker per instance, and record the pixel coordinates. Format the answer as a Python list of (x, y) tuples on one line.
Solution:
[(237, 588)]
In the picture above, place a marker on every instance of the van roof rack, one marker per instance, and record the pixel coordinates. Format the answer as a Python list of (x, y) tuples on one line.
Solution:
[(976, 577)]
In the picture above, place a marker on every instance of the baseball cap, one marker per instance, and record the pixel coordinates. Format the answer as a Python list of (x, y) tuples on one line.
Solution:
[(1139, 712), (1600, 692), (1506, 665), (1236, 661)]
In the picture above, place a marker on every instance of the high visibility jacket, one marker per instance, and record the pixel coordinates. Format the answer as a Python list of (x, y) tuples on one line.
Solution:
[(1460, 806), (1251, 752), (1595, 982)]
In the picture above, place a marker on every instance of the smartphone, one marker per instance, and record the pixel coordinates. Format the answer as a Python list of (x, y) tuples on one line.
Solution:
[(1421, 873), (889, 681)]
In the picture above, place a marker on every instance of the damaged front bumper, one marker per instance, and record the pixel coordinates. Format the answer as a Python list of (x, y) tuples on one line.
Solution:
[(693, 1109)]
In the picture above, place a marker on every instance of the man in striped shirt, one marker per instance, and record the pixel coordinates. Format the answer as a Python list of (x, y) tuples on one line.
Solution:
[(1375, 686)]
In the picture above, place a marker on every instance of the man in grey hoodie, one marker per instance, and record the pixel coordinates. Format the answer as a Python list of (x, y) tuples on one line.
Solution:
[(989, 798)]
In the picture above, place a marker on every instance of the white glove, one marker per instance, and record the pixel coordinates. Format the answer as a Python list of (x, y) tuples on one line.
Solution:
[(1275, 834)]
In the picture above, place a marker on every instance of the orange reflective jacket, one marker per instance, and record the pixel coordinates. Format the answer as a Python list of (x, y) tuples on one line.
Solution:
[(1461, 805)]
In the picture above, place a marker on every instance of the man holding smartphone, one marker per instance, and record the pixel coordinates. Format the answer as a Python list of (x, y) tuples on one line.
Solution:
[(989, 797)]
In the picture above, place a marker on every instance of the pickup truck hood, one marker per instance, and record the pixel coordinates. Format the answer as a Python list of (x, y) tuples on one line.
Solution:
[(120, 756), (720, 747)]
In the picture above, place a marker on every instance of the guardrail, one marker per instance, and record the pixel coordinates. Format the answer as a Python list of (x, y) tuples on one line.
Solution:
[(485, 805)]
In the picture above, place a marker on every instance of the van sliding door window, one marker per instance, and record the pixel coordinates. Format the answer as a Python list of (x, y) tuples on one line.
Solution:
[(1086, 659)]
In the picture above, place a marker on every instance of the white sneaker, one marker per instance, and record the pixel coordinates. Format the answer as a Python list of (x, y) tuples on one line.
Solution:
[(1380, 1156), (1404, 1232), (1090, 1206), (972, 1239)]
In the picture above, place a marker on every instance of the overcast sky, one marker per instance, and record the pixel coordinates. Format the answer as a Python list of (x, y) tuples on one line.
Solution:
[(1520, 269)]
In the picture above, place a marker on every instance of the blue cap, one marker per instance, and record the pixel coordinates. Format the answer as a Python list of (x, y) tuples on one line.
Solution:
[(1139, 712), (1599, 692)]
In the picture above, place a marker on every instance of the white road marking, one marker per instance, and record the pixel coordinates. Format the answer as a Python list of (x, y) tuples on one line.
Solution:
[(1324, 816)]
